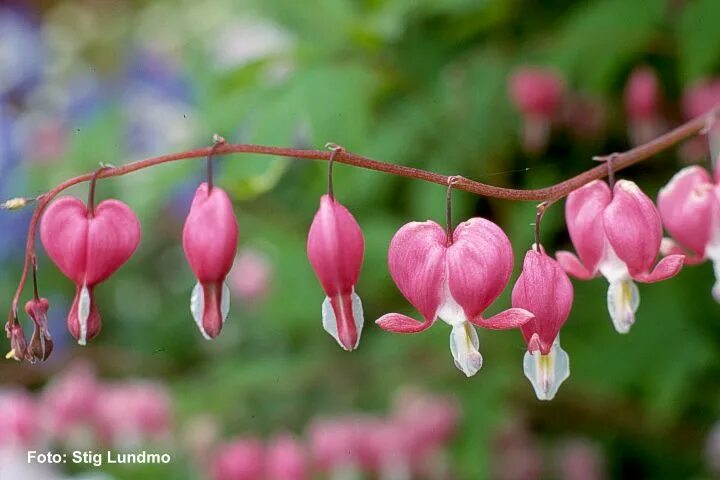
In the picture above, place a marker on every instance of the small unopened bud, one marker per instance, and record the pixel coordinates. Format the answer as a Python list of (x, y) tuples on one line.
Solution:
[(41, 344), (14, 203), (18, 344)]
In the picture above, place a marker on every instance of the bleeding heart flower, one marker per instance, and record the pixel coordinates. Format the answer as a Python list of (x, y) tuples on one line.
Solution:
[(454, 279), (88, 245), (41, 344), (210, 238), (335, 248), (544, 289), (617, 235), (690, 210)]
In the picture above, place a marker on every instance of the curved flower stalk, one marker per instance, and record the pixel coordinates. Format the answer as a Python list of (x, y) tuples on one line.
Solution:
[(616, 234), (690, 210), (210, 237), (454, 278), (88, 245), (544, 289)]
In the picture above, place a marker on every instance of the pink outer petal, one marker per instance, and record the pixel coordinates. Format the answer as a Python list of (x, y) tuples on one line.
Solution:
[(687, 205), (416, 260), (335, 247), (669, 247), (584, 217), (113, 236), (506, 320), (210, 234), (479, 264), (572, 265), (666, 268), (89, 250), (399, 323), (544, 289), (633, 227)]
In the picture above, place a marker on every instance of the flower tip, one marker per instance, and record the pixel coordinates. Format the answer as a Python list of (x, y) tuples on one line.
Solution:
[(14, 203), (547, 372)]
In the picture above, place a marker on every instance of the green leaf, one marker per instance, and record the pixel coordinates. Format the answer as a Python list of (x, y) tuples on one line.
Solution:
[(698, 38)]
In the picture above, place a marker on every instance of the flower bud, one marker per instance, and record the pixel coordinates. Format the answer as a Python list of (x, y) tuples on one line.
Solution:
[(210, 238), (335, 248), (18, 344), (544, 289), (41, 344)]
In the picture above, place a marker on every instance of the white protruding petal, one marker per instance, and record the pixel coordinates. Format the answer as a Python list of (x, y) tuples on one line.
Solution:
[(197, 307), (83, 314), (329, 320), (712, 251), (358, 315), (464, 345), (623, 299), (225, 302), (547, 372), (449, 310)]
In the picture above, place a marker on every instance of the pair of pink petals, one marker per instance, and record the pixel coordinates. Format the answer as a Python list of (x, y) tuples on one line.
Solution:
[(690, 209), (88, 249), (617, 234), (454, 279)]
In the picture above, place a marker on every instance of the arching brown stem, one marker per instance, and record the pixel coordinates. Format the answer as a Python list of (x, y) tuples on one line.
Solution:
[(551, 193)]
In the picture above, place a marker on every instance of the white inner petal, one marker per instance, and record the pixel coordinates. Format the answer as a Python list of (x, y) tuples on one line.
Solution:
[(623, 299), (83, 314), (464, 345), (611, 267), (329, 320), (547, 372), (225, 302), (712, 251), (197, 306), (450, 311)]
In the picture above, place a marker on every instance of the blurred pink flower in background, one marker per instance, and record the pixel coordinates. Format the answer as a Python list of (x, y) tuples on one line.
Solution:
[(643, 104), (697, 100), (241, 459), (18, 420), (580, 459), (585, 116), (538, 94), (286, 459), (70, 404), (250, 276), (336, 445), (131, 414), (516, 454), (712, 450)]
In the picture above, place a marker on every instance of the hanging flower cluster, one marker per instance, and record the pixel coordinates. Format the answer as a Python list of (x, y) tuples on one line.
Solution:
[(446, 273)]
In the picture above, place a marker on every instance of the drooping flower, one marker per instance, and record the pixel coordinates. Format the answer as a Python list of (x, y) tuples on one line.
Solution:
[(286, 459), (643, 105), (210, 238), (41, 344), (537, 93), (88, 246), (455, 279), (544, 289), (335, 248), (616, 234), (690, 210), (242, 459)]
